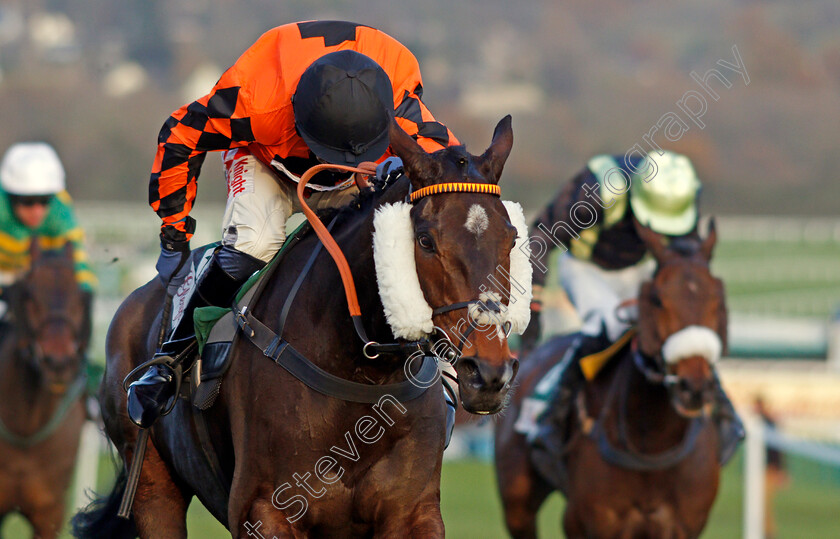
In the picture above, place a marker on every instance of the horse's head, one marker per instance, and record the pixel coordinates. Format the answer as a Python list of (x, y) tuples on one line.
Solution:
[(50, 314), (682, 318), (462, 245)]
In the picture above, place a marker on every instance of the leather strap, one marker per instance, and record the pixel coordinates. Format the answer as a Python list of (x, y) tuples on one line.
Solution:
[(290, 298), (209, 450), (284, 354), (644, 462)]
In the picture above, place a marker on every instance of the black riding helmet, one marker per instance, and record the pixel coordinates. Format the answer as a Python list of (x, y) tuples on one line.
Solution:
[(343, 105)]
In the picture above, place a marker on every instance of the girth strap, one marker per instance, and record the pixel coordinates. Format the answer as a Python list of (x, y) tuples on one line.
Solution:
[(284, 354)]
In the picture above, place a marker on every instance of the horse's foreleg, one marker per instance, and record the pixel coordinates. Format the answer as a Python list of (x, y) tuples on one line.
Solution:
[(424, 521), (265, 520), (521, 510), (522, 490), (46, 521)]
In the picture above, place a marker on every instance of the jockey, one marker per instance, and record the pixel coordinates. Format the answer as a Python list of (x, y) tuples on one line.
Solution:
[(305, 93), (33, 203), (607, 261)]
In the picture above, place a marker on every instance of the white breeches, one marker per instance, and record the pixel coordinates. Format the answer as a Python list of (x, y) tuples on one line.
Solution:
[(596, 293), (259, 204)]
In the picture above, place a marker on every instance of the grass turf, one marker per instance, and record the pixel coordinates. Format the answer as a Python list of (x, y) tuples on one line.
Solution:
[(471, 507)]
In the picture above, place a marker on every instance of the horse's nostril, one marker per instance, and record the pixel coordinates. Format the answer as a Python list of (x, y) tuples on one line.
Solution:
[(470, 367), (685, 385)]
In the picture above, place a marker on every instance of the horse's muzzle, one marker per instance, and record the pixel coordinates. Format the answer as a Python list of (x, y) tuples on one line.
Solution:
[(693, 391), (484, 386)]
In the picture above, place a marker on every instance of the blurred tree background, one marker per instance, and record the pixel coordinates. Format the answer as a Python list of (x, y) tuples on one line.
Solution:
[(97, 79)]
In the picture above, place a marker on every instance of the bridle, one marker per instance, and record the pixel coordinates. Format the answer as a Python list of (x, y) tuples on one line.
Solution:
[(485, 306), (653, 369), (28, 340), (370, 348)]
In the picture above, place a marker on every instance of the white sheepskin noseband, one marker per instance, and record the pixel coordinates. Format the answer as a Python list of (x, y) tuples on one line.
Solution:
[(406, 309), (692, 341)]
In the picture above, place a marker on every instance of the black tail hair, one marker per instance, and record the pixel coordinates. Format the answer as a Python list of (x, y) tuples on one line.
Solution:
[(99, 519)]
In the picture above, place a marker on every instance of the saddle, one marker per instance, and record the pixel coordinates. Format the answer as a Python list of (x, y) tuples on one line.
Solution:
[(215, 327)]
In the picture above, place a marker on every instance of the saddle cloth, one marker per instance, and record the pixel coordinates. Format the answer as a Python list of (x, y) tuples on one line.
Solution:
[(215, 327), (189, 275), (535, 404)]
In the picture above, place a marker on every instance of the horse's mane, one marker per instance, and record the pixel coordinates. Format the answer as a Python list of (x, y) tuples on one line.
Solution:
[(362, 204), (367, 199)]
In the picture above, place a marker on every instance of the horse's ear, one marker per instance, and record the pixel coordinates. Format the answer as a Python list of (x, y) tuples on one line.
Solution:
[(723, 320), (496, 155), (419, 166), (652, 240), (708, 246)]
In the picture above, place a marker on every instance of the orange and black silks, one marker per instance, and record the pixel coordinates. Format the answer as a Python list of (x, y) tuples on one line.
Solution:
[(251, 106)]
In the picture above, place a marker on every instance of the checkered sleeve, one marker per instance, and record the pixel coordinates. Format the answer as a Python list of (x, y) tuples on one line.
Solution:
[(413, 116), (217, 121)]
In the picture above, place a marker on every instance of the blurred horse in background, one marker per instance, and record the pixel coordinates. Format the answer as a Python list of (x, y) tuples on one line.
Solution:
[(42, 385), (641, 457)]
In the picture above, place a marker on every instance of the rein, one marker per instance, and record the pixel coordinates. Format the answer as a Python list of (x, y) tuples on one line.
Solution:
[(625, 455), (344, 268), (70, 397), (652, 373)]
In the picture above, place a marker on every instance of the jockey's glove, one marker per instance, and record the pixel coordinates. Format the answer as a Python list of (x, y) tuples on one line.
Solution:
[(173, 255), (388, 171)]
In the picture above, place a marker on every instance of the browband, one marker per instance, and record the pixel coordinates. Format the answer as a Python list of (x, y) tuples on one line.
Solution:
[(457, 187)]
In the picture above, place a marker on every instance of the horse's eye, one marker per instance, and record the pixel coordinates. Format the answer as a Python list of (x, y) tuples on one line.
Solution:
[(425, 242), (462, 162)]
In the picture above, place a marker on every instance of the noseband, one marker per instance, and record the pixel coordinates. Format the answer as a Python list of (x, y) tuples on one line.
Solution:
[(481, 306), (654, 371)]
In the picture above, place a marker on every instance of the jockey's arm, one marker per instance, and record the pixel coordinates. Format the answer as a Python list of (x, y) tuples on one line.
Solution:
[(416, 120), (63, 227), (410, 111), (217, 121), (555, 226)]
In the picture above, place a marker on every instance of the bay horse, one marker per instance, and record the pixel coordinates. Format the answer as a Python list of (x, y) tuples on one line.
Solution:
[(42, 387), (640, 457), (270, 430)]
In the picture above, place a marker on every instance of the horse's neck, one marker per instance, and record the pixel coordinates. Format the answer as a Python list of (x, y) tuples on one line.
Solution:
[(652, 424), (339, 349), (26, 397)]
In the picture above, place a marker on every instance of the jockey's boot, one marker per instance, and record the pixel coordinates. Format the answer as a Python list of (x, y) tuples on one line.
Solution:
[(728, 422), (551, 424), (150, 396)]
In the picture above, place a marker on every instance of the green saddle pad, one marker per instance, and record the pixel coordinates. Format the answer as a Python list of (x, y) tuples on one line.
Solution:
[(204, 318)]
